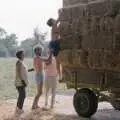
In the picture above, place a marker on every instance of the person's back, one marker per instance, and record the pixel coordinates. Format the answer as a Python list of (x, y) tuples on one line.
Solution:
[(54, 28), (51, 68), (54, 45), (55, 32)]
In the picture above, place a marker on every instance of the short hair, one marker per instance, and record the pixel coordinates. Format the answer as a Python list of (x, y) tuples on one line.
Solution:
[(36, 47), (19, 53), (50, 22)]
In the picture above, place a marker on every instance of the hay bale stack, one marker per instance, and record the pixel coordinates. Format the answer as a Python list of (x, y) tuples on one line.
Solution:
[(73, 58), (67, 3), (92, 26)]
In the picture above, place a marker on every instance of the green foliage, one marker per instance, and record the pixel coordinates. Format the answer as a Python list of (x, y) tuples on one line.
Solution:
[(11, 44), (8, 43), (2, 33)]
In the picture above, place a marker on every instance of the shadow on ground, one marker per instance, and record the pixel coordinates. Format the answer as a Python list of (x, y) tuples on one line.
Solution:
[(105, 114), (43, 115)]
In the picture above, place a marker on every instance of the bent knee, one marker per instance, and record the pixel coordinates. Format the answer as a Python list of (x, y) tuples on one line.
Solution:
[(39, 94)]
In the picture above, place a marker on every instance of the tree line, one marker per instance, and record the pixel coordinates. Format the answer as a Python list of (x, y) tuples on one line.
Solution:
[(9, 43)]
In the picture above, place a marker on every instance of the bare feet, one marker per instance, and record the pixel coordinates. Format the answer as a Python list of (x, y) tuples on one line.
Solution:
[(45, 109), (18, 111), (52, 107), (35, 107)]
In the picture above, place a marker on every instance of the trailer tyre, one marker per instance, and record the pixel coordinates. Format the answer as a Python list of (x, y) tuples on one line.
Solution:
[(85, 102), (116, 104)]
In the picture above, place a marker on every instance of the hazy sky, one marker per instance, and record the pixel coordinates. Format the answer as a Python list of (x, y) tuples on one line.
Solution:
[(21, 16)]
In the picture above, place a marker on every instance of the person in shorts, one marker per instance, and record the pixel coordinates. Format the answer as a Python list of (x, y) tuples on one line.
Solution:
[(39, 75)]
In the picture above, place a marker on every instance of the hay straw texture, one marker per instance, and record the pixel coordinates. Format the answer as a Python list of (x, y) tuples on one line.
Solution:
[(93, 27)]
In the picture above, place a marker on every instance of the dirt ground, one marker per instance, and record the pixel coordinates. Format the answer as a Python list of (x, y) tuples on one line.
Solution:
[(62, 111)]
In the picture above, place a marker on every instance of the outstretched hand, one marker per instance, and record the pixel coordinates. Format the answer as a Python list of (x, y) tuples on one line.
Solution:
[(30, 70)]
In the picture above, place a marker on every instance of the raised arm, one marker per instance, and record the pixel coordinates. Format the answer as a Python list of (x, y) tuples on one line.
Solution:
[(45, 59), (30, 70)]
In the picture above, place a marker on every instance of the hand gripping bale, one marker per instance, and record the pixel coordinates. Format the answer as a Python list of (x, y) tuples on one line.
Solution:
[(65, 14)]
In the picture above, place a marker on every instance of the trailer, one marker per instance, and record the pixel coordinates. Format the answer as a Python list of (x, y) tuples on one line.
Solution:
[(90, 52)]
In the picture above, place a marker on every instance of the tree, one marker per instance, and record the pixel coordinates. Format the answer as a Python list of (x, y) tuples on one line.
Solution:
[(29, 43), (3, 50), (38, 36), (3, 33), (10, 42)]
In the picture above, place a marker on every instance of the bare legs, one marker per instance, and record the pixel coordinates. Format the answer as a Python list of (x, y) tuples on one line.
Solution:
[(46, 95), (50, 84), (39, 93), (59, 68), (53, 91)]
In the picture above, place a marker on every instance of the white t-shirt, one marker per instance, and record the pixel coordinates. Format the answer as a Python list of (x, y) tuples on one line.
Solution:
[(21, 73)]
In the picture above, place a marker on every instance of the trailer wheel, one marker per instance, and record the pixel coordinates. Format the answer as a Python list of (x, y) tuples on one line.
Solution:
[(85, 102), (116, 104)]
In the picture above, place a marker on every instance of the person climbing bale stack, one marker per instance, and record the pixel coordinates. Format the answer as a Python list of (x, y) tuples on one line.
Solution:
[(54, 45)]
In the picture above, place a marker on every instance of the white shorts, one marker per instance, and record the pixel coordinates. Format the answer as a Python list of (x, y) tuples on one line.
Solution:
[(50, 82)]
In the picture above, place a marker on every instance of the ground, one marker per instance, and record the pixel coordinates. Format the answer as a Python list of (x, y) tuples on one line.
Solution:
[(63, 111)]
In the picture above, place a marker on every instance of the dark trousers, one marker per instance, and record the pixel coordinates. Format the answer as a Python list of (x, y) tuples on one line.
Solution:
[(55, 46), (21, 97)]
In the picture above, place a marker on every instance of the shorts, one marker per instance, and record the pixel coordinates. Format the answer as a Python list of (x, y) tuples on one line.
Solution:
[(55, 46), (39, 78), (50, 82)]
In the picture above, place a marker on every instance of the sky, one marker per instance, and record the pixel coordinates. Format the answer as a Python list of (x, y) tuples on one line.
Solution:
[(22, 16)]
